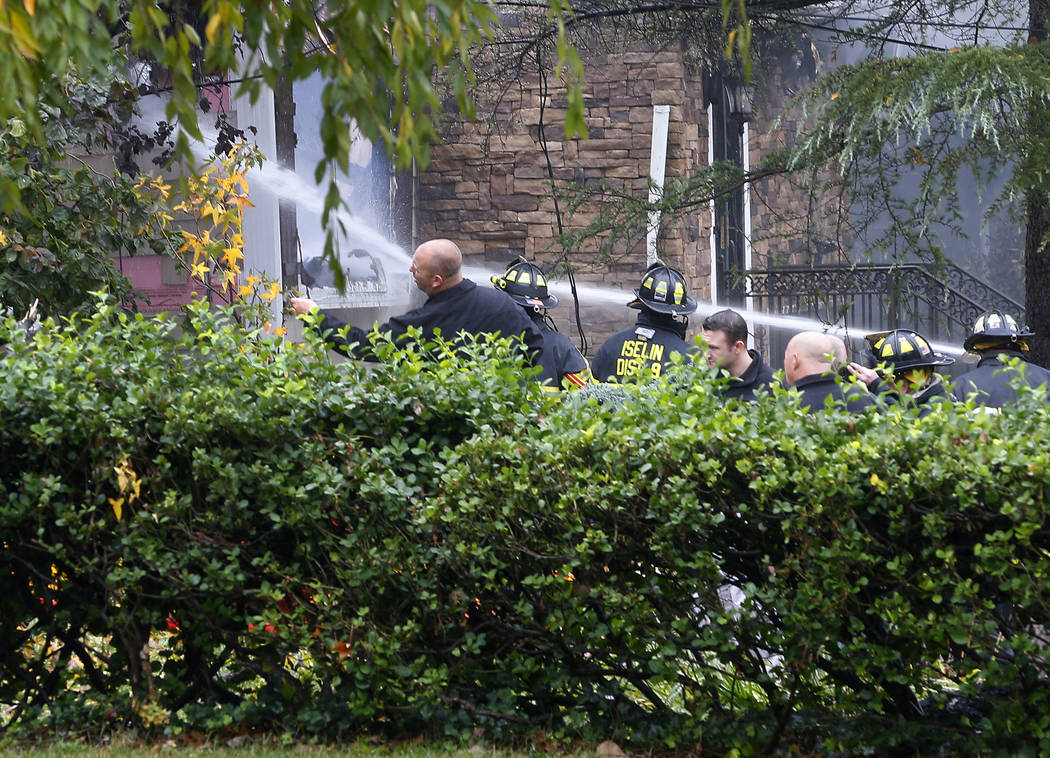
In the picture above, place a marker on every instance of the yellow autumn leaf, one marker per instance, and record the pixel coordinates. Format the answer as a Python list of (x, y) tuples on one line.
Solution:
[(272, 292), (834, 95), (118, 507), (215, 211), (229, 279), (232, 256), (30, 6), (164, 190), (199, 270), (241, 201), (213, 24), (25, 40), (192, 243), (124, 474)]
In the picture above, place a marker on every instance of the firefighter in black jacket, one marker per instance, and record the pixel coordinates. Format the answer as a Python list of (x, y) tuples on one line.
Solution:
[(454, 306), (811, 362), (659, 332), (725, 333), (996, 337), (563, 366)]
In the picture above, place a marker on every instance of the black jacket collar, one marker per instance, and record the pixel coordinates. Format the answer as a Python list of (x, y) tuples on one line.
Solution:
[(663, 321), (452, 292)]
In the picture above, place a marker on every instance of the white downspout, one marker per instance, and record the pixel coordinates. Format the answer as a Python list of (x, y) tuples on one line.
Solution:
[(657, 168), (745, 149), (713, 240)]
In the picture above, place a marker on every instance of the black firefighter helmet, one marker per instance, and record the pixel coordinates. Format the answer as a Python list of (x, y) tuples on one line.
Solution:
[(904, 350), (526, 285), (663, 290), (993, 329)]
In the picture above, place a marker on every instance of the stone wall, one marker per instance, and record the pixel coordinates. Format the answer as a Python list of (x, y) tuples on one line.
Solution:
[(788, 226), (488, 187)]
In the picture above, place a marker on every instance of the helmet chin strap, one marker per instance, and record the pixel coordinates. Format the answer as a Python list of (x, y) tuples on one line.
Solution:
[(681, 324)]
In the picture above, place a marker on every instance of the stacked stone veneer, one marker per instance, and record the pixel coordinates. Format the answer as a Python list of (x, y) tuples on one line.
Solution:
[(488, 186), (788, 225)]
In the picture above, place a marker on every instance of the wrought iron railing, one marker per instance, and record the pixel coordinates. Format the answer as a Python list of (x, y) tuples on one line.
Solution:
[(939, 301)]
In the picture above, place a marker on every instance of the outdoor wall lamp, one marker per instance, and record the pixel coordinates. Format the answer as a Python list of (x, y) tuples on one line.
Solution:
[(739, 96)]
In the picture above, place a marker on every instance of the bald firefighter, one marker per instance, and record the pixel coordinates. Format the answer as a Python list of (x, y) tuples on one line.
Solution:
[(454, 306), (811, 362)]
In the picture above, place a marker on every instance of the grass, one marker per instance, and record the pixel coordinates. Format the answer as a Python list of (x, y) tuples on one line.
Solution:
[(255, 748)]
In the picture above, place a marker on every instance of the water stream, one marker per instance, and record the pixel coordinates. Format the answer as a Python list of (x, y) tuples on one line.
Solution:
[(612, 295), (354, 232)]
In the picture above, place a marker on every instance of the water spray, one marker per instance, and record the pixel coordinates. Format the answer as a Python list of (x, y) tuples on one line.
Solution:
[(616, 296)]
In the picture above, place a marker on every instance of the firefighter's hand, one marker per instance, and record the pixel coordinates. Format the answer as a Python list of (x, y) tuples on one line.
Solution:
[(863, 373), (302, 305)]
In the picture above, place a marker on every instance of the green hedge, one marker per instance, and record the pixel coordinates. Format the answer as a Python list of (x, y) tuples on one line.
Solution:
[(432, 546)]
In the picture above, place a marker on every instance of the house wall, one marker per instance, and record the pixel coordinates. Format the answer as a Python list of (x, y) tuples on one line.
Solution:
[(488, 187), (788, 227)]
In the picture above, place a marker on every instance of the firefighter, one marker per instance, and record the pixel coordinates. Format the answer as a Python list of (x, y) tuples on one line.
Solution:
[(997, 338), (725, 333), (563, 366), (454, 306), (645, 348), (811, 362), (902, 370)]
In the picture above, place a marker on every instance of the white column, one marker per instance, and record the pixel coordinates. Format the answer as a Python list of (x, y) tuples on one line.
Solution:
[(657, 167), (262, 224)]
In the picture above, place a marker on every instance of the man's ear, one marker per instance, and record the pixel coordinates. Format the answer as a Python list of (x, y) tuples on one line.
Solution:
[(740, 346)]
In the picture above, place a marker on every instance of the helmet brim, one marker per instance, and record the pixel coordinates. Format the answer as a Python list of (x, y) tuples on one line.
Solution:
[(938, 359), (534, 302)]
